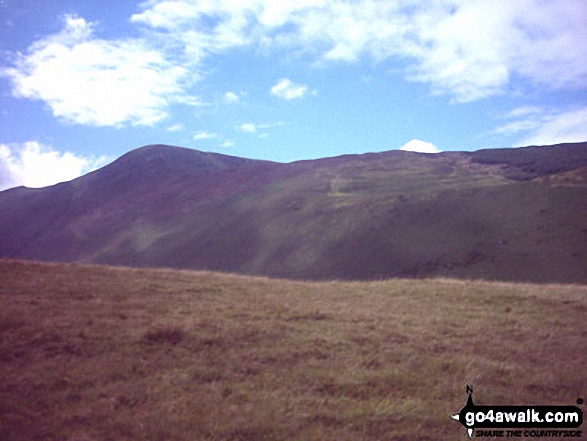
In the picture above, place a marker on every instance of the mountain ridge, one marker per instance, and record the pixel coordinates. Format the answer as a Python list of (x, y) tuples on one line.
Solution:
[(505, 214)]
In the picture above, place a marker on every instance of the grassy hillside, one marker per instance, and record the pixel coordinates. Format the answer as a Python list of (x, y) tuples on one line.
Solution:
[(101, 353), (506, 214)]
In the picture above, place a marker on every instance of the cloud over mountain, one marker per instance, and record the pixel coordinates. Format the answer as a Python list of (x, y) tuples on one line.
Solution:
[(415, 145), (541, 126), (87, 80), (467, 50), (35, 165)]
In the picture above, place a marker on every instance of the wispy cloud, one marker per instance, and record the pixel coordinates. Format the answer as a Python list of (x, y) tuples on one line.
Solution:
[(568, 126), (248, 127), (227, 144), (518, 126), (524, 111), (287, 89), (542, 126), (415, 145), (204, 135), (254, 127), (175, 128), (467, 49), (231, 97), (35, 165)]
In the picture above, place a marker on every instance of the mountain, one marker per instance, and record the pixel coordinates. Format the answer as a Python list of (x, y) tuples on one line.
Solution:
[(504, 214)]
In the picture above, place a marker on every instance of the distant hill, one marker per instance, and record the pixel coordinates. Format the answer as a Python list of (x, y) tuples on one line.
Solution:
[(504, 214)]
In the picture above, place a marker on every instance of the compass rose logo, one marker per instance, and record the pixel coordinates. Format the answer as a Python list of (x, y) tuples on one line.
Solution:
[(469, 407), (547, 420)]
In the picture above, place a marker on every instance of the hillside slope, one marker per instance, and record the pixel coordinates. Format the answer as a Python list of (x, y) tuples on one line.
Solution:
[(506, 214)]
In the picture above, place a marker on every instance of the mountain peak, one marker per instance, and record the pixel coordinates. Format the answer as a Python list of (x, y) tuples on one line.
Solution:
[(499, 214), (179, 159), (158, 161)]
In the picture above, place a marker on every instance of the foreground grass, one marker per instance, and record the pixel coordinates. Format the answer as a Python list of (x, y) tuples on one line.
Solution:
[(98, 353)]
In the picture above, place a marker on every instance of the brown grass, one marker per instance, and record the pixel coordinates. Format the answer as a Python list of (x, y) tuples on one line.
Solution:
[(98, 353)]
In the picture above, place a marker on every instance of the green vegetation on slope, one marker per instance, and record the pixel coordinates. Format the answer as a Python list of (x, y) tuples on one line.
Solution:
[(100, 353), (531, 162)]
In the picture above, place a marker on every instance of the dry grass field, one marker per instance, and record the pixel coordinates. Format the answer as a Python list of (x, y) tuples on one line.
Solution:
[(98, 353)]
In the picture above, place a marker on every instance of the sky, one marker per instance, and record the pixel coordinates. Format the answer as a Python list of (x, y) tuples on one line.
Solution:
[(83, 82)]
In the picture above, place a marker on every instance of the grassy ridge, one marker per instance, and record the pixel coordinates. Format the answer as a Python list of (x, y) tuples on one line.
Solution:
[(515, 215), (101, 353)]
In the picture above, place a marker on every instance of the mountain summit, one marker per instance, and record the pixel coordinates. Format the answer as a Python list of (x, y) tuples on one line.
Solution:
[(177, 159), (505, 214)]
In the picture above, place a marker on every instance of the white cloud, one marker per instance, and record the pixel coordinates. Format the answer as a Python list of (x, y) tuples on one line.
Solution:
[(204, 135), (289, 90), (248, 127), (166, 14), (175, 128), (99, 82), (471, 49), (415, 145), (468, 49), (543, 126), (188, 100), (254, 128), (524, 110), (518, 126), (227, 144), (231, 97), (568, 126), (35, 165)]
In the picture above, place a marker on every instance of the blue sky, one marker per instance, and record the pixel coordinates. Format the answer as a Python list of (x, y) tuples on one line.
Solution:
[(83, 82)]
